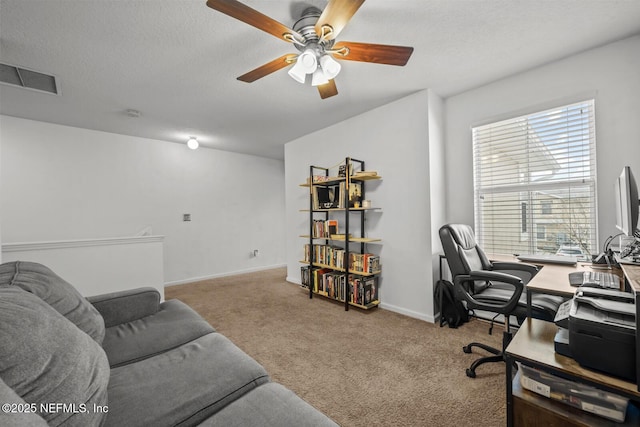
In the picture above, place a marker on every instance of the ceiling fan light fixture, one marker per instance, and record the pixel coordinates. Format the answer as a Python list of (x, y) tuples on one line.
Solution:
[(297, 73), (319, 77), (330, 66), (306, 63), (193, 143)]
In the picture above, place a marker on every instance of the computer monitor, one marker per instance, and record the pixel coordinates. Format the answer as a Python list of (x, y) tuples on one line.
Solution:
[(626, 193)]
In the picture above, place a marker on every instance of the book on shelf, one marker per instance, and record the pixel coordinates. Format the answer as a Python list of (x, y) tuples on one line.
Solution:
[(335, 257), (324, 228), (332, 227), (333, 284), (370, 290), (318, 280), (364, 263)]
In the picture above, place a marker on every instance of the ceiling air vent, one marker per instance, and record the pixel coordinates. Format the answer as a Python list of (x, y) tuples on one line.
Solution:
[(29, 79)]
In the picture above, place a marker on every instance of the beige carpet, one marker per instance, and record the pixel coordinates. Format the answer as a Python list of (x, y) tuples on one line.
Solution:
[(362, 368)]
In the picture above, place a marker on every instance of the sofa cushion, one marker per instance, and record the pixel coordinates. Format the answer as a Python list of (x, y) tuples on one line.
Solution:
[(183, 386), (59, 294), (46, 359), (174, 324), (270, 405)]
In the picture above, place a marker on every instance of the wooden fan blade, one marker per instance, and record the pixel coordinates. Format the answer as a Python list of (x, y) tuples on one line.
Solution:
[(268, 68), (337, 14), (250, 16), (328, 89), (378, 53)]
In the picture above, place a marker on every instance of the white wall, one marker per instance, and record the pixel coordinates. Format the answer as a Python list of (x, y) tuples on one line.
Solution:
[(0, 199), (395, 140), (64, 183), (89, 264), (437, 189), (610, 73)]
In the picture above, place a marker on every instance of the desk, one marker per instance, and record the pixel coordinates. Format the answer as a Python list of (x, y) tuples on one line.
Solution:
[(552, 279), (533, 345)]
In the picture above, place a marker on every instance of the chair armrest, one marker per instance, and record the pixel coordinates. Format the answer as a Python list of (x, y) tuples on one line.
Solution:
[(124, 306), (484, 275), (518, 266)]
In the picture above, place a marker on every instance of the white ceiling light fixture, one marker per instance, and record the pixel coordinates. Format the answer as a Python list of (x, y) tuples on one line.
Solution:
[(328, 69), (330, 66), (306, 63), (193, 143), (319, 78)]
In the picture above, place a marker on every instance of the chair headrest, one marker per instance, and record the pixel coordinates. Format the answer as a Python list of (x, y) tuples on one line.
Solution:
[(463, 235)]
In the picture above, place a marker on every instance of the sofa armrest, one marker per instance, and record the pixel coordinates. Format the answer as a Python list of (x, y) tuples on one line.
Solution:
[(125, 306)]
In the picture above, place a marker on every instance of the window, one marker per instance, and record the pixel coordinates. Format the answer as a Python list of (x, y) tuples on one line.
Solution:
[(535, 183)]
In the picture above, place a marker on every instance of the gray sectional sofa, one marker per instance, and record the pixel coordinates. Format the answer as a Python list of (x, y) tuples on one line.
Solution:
[(125, 359)]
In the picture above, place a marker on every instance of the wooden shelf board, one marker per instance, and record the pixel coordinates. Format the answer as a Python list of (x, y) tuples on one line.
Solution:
[(342, 239), (340, 209), (342, 270), (336, 179), (365, 177)]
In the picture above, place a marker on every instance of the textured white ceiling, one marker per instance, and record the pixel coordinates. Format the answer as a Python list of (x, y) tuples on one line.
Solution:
[(176, 61)]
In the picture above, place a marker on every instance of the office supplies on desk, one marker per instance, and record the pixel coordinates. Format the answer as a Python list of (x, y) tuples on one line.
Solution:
[(602, 331), (594, 279), (543, 258)]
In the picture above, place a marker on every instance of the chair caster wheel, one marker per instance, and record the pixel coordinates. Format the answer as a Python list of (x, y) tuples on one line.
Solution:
[(466, 349), (470, 373)]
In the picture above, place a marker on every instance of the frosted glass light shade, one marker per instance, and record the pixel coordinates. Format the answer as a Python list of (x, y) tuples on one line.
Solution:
[(305, 64), (330, 66), (319, 78), (193, 143)]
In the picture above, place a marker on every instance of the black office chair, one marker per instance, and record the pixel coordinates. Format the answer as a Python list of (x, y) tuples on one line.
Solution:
[(495, 287)]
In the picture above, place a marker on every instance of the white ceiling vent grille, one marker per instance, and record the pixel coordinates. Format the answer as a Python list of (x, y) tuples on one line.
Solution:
[(28, 79)]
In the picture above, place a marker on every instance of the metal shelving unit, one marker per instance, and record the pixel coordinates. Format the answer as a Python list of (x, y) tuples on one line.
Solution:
[(347, 210)]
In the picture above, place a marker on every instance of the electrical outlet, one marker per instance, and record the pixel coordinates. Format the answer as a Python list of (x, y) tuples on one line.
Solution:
[(186, 217), (255, 253)]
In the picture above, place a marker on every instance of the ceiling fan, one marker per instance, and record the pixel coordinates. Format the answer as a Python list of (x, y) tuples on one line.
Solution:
[(314, 36)]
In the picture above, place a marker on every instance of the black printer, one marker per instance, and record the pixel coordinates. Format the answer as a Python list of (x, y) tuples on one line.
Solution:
[(602, 331)]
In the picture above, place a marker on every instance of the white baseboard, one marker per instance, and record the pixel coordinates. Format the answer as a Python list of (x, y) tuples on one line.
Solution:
[(395, 309), (294, 281), (229, 273), (408, 313)]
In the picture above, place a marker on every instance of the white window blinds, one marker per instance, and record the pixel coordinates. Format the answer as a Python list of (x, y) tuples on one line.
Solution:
[(535, 183)]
